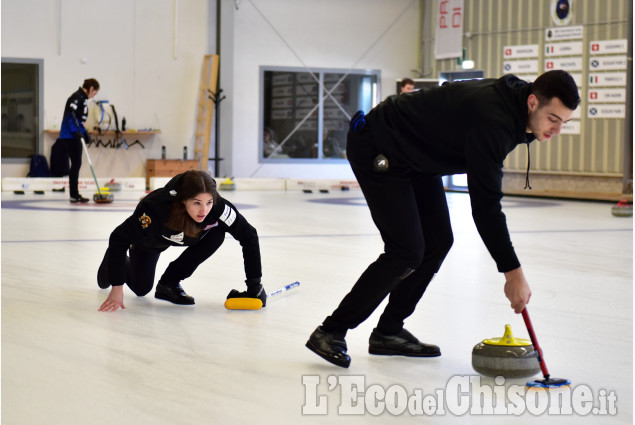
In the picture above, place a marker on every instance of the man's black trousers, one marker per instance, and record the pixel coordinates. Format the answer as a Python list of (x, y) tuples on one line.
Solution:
[(410, 210)]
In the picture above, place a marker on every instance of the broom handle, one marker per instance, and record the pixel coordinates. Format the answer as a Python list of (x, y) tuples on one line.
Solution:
[(534, 341), (91, 165), (283, 289), (87, 156)]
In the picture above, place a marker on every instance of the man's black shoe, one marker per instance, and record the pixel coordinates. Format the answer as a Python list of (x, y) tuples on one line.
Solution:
[(401, 344), (80, 199), (174, 294), (329, 346)]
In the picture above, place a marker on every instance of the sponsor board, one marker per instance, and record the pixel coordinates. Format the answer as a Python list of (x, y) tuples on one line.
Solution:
[(564, 33), (573, 63), (520, 67), (571, 127), (563, 49), (600, 47), (524, 51), (606, 95), (607, 79), (605, 63), (597, 110)]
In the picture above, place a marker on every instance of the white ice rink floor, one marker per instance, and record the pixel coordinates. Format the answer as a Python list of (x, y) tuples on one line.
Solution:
[(63, 362)]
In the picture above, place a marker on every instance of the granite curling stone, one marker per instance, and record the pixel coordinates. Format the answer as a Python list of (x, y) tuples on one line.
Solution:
[(227, 184), (113, 186), (622, 209), (103, 196), (506, 356)]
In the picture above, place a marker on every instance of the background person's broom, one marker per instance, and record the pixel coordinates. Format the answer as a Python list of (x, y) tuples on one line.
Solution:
[(103, 196)]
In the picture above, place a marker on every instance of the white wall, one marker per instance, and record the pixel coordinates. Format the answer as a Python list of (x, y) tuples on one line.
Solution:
[(129, 48), (322, 33), (129, 45)]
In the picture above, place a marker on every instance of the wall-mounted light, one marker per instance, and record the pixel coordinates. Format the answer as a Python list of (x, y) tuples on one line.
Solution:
[(463, 62), (467, 64)]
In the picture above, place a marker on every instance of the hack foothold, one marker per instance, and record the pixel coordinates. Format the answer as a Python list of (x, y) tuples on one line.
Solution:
[(506, 356)]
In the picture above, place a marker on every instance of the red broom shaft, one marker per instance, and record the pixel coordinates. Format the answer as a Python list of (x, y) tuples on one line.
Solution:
[(534, 341)]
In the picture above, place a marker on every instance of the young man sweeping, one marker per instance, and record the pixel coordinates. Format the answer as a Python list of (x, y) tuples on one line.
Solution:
[(398, 152)]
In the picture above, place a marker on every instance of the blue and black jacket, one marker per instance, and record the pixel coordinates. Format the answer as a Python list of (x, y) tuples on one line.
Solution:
[(75, 115)]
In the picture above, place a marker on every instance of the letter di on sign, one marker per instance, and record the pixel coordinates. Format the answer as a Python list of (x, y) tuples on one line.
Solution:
[(457, 19)]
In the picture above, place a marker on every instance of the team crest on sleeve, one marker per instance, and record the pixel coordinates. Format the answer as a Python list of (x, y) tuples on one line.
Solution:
[(228, 216), (145, 221)]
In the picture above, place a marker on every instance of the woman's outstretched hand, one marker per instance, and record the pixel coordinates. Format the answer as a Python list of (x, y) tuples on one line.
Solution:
[(114, 300)]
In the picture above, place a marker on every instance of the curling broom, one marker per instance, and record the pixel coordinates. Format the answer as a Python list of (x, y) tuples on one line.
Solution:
[(255, 303), (548, 382), (103, 196)]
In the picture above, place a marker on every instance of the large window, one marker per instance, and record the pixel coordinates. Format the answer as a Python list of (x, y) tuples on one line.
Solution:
[(305, 114), (21, 108)]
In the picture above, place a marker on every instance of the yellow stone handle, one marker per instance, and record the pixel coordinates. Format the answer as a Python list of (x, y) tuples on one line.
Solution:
[(507, 339)]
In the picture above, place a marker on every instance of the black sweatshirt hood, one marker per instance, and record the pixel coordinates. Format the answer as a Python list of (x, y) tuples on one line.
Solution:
[(518, 101), (515, 92)]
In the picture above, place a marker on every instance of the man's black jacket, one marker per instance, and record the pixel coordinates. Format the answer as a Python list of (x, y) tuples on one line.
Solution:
[(462, 127)]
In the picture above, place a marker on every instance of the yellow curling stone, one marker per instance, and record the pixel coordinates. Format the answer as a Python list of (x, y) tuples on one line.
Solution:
[(103, 196), (507, 356), (227, 184)]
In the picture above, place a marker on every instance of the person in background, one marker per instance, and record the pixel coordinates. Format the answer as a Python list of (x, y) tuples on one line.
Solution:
[(188, 212), (72, 130), (331, 146), (269, 143), (407, 85)]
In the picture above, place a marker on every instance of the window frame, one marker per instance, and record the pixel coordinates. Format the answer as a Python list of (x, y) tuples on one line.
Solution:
[(319, 72), (39, 148)]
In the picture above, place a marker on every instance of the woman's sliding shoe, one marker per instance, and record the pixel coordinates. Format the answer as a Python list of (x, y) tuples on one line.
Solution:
[(173, 293)]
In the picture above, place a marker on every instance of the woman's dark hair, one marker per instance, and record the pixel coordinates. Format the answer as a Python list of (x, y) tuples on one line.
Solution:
[(192, 183), (556, 83), (91, 82)]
